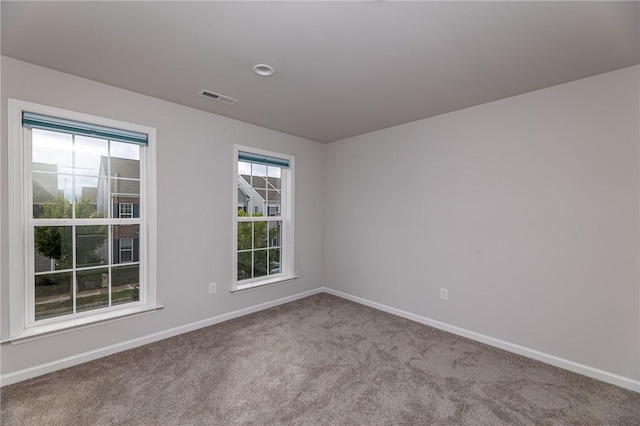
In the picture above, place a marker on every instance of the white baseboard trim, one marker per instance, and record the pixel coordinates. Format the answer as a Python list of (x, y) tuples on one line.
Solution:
[(595, 373), (566, 364), (52, 366)]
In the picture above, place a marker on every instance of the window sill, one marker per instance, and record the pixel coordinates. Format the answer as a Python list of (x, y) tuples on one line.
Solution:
[(64, 326), (262, 283)]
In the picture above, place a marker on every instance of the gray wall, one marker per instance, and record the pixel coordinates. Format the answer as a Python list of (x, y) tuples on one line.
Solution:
[(195, 181), (526, 209)]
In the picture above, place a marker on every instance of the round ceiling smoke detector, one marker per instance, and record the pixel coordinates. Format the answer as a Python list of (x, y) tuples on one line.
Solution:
[(263, 70)]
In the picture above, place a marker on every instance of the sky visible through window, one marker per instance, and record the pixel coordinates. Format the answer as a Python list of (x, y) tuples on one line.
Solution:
[(258, 170), (59, 149)]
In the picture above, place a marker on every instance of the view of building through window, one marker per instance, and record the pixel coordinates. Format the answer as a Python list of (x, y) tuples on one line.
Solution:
[(86, 261), (259, 220)]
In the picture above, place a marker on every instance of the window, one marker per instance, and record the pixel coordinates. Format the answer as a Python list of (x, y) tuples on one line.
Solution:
[(88, 183), (126, 250), (274, 210), (125, 210), (263, 242)]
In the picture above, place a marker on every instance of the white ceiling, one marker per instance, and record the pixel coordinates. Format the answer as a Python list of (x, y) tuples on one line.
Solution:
[(342, 68)]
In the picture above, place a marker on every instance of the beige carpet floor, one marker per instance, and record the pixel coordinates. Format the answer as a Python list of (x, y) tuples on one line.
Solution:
[(321, 360)]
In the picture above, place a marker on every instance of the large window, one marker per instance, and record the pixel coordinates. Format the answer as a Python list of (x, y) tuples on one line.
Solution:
[(81, 212), (263, 225)]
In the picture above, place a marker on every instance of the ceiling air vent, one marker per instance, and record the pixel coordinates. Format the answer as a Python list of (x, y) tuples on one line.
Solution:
[(218, 97)]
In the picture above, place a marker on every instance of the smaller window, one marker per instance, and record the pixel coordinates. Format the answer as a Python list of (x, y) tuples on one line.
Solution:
[(263, 247), (126, 211), (126, 250), (274, 210)]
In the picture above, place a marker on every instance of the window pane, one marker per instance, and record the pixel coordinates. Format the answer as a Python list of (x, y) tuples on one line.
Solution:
[(243, 202), (259, 175), (274, 172), (125, 192), (274, 175), (91, 245), (103, 200), (90, 156), (274, 183), (92, 289), (244, 235), (125, 284), (245, 193), (45, 190), (125, 239), (260, 263), (53, 295), (125, 150), (52, 151), (244, 265), (262, 197), (87, 198), (244, 168), (275, 233), (125, 188), (49, 192), (259, 234), (53, 248), (274, 197), (258, 182), (274, 261), (124, 167)]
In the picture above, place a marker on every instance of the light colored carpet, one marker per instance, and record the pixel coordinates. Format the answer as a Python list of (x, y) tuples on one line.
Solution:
[(321, 360)]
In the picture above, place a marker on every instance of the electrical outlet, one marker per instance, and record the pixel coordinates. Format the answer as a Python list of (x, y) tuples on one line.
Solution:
[(444, 294), (212, 288)]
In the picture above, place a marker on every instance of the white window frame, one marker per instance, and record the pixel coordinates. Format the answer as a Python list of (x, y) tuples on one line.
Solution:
[(22, 326), (129, 215), (287, 216)]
